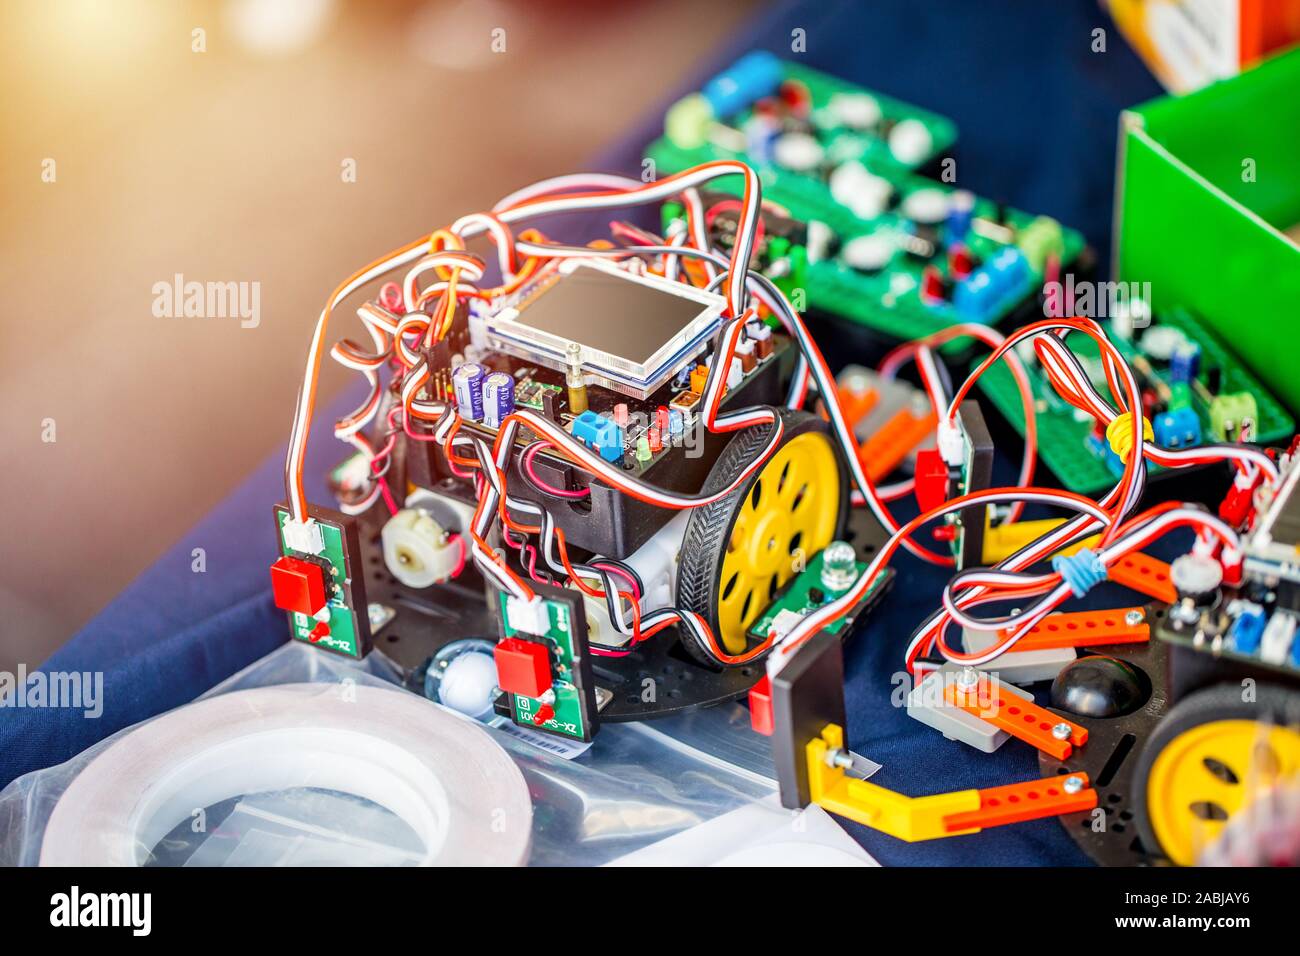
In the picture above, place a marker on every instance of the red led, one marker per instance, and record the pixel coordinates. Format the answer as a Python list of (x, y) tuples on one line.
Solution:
[(544, 713), (655, 438), (931, 479), (760, 707), (931, 284), (298, 585), (797, 97), (523, 667), (960, 263)]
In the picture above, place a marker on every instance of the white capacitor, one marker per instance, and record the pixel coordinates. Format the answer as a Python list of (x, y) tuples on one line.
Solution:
[(1195, 575), (798, 152), (855, 110), (869, 253), (1162, 341), (910, 142), (820, 237), (927, 206), (860, 191)]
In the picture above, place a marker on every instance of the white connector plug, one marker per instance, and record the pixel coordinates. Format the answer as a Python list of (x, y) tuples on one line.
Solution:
[(305, 537)]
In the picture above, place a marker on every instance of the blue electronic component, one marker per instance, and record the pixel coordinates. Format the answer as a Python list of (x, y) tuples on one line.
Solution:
[(1180, 428), (467, 384), (760, 135), (1185, 363), (752, 77), (1101, 448), (1247, 630), (976, 297), (498, 398), (979, 296), (960, 213), (1010, 269), (600, 433)]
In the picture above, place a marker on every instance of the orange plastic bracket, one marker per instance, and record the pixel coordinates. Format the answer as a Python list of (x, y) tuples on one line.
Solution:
[(1084, 629), (1019, 717), (883, 451), (1027, 800), (1145, 575), (856, 405)]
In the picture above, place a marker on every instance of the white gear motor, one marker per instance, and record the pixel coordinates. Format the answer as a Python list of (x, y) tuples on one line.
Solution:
[(417, 550)]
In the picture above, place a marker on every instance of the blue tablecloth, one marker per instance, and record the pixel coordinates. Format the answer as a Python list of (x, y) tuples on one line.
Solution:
[(1037, 112)]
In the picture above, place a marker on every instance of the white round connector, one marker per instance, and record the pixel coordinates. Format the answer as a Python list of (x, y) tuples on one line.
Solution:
[(444, 776), (469, 684), (910, 142), (416, 550)]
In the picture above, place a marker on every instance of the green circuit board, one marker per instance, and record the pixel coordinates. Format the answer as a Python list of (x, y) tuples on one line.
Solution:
[(805, 593), (343, 637), (888, 298), (1064, 433), (561, 637), (869, 146)]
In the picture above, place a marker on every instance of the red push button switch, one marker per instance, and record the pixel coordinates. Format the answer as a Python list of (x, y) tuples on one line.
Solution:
[(523, 667), (298, 585), (760, 707)]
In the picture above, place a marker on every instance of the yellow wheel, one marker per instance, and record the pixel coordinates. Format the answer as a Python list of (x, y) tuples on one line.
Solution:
[(1209, 759), (738, 552)]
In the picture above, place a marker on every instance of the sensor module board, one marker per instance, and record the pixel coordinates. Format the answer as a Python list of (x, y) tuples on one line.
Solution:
[(1194, 386), (544, 664), (805, 593), (885, 248), (338, 619)]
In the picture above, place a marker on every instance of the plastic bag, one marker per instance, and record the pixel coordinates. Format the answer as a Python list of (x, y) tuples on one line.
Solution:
[(634, 786)]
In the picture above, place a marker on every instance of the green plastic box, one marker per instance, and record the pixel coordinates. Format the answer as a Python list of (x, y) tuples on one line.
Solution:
[(1207, 209)]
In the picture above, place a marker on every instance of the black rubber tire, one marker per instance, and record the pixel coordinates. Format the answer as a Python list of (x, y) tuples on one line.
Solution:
[(709, 527), (1272, 704)]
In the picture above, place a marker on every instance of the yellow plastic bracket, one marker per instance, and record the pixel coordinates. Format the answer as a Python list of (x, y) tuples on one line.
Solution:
[(1001, 541), (907, 818)]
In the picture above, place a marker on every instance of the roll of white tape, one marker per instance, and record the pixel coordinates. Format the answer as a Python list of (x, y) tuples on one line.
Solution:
[(443, 775)]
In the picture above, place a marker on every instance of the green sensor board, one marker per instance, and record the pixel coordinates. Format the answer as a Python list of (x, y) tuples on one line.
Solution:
[(1222, 392), (347, 631), (801, 596), (562, 618), (888, 249)]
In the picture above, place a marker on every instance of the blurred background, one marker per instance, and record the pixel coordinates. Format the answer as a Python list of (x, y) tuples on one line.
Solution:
[(211, 139)]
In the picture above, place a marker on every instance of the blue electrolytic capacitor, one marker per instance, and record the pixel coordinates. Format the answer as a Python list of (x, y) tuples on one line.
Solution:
[(498, 398), (467, 384), (1185, 363), (960, 213), (750, 78), (760, 135)]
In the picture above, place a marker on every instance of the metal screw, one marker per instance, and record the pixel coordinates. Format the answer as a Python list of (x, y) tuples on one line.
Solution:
[(1062, 731), (969, 677), (1134, 618), (1072, 784), (839, 758)]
